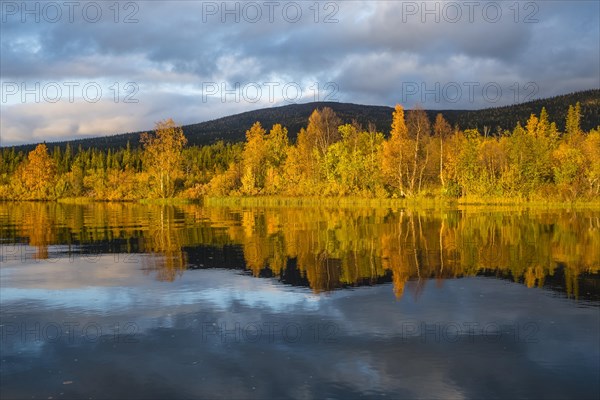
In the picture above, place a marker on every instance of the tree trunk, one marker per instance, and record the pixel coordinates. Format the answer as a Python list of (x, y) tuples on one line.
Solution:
[(442, 162)]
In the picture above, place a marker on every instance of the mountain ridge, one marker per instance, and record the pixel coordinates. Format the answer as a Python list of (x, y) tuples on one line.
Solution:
[(232, 128)]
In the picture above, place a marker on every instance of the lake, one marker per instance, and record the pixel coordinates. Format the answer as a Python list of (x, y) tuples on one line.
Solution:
[(149, 301)]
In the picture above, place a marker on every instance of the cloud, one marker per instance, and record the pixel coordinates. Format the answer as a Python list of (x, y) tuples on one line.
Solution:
[(370, 49), (371, 344)]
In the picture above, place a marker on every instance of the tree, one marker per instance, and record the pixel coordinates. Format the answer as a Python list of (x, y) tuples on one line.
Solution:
[(468, 166), (540, 141), (492, 160), (591, 151), (573, 122), (163, 156), (419, 132), (532, 126), (254, 157), (67, 160), (277, 142), (39, 174), (276, 154), (298, 169), (394, 149), (569, 170), (454, 146), (322, 131), (442, 130), (345, 162), (353, 161), (372, 145)]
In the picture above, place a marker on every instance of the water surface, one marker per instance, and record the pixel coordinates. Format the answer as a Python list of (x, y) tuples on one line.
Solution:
[(142, 301)]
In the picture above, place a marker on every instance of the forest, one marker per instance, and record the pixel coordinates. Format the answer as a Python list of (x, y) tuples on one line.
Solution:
[(417, 158)]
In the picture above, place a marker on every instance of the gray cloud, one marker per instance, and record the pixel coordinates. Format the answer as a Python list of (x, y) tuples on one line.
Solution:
[(388, 340), (373, 52)]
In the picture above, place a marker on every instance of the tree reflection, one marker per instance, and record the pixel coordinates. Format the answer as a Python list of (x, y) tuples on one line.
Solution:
[(327, 248), (164, 240)]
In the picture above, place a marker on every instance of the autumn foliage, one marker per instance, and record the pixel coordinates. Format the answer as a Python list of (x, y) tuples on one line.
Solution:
[(163, 157), (534, 161), (36, 177)]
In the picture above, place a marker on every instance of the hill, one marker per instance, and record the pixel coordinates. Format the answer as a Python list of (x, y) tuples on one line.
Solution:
[(294, 117)]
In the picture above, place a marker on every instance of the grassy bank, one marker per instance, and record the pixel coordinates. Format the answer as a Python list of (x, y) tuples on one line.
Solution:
[(313, 202), (422, 202), (89, 200), (346, 202), (172, 201)]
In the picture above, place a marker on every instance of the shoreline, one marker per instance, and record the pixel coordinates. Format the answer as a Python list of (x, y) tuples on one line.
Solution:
[(342, 202)]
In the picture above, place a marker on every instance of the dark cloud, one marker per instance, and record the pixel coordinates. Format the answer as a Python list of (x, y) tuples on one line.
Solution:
[(372, 52)]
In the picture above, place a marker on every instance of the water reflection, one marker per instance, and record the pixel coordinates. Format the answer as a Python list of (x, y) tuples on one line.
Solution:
[(323, 248)]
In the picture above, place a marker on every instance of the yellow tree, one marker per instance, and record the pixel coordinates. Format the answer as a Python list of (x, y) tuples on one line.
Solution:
[(298, 169), (39, 173), (322, 129), (541, 140), (419, 132), (394, 149), (493, 161), (276, 153), (532, 126), (546, 129), (569, 170), (442, 130), (277, 143), (452, 176), (353, 162), (253, 159), (591, 151), (573, 121), (468, 163), (321, 132), (163, 156)]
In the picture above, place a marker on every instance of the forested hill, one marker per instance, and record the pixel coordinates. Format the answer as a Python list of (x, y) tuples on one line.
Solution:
[(232, 128)]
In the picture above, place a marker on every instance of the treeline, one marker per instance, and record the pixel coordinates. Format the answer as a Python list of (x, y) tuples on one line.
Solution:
[(123, 175), (506, 117), (418, 158)]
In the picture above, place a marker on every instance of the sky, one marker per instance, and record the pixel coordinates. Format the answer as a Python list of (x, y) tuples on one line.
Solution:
[(80, 69)]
